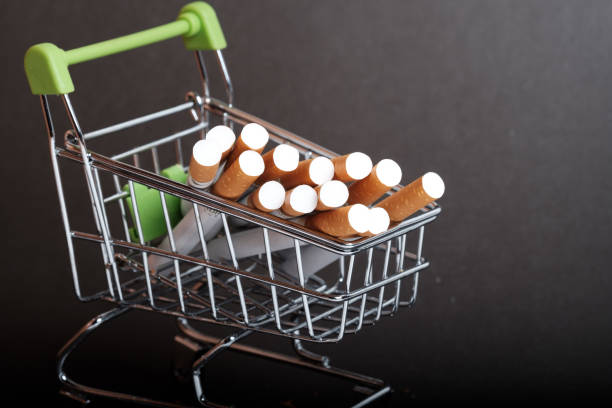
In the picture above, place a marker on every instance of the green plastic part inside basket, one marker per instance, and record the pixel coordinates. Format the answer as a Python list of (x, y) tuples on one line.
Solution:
[(150, 206), (46, 65)]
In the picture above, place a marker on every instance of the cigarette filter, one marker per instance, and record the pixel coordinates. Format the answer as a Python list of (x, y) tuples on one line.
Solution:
[(352, 167), (279, 161), (252, 137), (224, 137), (205, 158), (239, 176), (300, 200), (378, 221), (332, 194), (341, 222), (312, 172), (269, 197), (413, 197), (384, 175)]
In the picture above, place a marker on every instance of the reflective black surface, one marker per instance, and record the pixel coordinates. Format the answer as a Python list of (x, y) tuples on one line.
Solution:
[(509, 101)]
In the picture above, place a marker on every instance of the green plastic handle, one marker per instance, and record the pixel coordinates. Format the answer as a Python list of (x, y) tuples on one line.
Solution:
[(46, 65)]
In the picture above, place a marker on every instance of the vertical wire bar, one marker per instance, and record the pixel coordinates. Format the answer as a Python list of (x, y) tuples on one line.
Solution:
[(105, 223), (229, 87), (90, 183), (211, 290), (126, 228), (155, 156), (179, 152), (60, 195), (145, 258), (399, 269), (415, 283), (230, 246), (366, 282), (298, 260), (341, 270), (101, 198), (271, 273), (204, 114), (177, 271), (349, 276), (136, 159), (105, 259), (381, 294)]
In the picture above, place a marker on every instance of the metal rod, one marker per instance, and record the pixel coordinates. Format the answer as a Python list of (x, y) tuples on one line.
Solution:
[(145, 258), (60, 193), (90, 182), (137, 121), (158, 142)]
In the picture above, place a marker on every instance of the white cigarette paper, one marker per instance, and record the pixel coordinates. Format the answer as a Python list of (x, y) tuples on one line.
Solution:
[(249, 243), (313, 260), (186, 236)]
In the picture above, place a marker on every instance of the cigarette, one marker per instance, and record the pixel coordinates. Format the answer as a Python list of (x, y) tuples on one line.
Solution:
[(239, 176), (186, 236), (413, 197), (385, 175), (299, 201), (341, 222), (205, 158), (312, 172), (249, 242), (269, 197), (252, 137), (313, 260), (378, 221), (224, 137), (332, 194), (352, 167), (279, 161)]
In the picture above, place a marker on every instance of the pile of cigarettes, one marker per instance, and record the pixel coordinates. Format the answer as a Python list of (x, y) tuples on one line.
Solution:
[(334, 196)]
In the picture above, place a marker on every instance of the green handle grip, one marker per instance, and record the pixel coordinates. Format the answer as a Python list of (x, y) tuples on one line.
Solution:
[(46, 65)]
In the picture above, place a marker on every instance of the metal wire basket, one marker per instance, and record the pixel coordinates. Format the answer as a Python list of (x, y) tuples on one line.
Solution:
[(252, 293)]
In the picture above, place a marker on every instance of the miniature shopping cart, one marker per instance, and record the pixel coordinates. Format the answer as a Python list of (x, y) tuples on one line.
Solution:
[(136, 195)]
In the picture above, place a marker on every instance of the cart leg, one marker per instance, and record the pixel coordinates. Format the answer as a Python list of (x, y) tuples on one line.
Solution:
[(209, 355), (306, 359), (81, 392)]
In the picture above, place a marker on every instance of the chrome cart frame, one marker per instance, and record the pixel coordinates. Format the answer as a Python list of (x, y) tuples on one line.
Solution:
[(249, 295)]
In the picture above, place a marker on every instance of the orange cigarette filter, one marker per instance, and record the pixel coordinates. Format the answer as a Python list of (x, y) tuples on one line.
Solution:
[(413, 197), (341, 222), (269, 197), (224, 136), (312, 172), (332, 194), (299, 201), (279, 161), (204, 163), (378, 222), (252, 137), (385, 175), (352, 167), (239, 176)]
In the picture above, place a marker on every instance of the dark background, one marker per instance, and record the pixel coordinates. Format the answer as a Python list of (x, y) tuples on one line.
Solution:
[(509, 101)]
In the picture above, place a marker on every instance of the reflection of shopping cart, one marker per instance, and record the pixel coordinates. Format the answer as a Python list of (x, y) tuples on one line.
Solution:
[(135, 202)]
